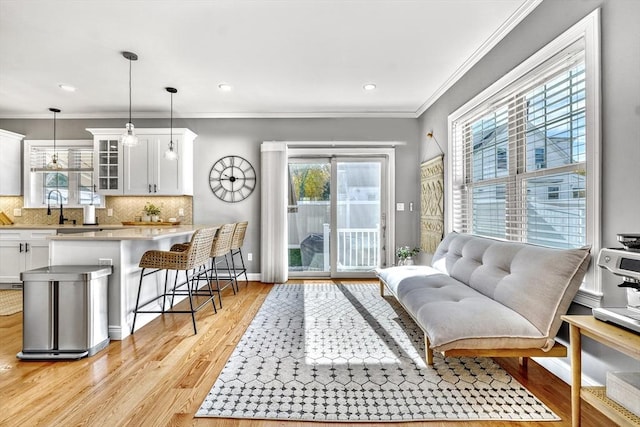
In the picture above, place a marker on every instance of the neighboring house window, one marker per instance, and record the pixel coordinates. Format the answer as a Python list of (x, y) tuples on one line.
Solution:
[(540, 158), (523, 160)]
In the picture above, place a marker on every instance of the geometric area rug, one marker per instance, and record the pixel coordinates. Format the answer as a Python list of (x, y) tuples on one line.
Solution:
[(334, 352), (10, 302)]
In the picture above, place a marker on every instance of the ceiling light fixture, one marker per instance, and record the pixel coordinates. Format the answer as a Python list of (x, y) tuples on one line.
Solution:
[(67, 88), (54, 163), (225, 87), (171, 153), (369, 86), (129, 137)]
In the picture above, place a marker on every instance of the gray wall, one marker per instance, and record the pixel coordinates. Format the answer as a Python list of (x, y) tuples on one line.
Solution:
[(221, 137), (620, 123)]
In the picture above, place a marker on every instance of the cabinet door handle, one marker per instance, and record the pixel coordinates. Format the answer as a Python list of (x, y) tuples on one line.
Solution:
[(149, 188), (20, 247), (26, 247), (155, 188), (95, 188)]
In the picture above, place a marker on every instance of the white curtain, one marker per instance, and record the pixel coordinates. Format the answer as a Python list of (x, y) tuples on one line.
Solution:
[(274, 263)]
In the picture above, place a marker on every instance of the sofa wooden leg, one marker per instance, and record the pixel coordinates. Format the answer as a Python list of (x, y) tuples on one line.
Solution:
[(523, 362), (381, 288), (428, 352)]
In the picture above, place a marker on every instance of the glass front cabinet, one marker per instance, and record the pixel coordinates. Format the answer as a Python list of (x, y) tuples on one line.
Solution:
[(107, 164)]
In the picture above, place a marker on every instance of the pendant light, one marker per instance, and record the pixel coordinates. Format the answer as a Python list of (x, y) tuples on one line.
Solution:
[(171, 153), (129, 137), (54, 163)]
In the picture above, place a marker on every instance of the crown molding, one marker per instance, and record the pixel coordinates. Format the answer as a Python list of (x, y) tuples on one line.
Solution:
[(230, 115), (522, 12)]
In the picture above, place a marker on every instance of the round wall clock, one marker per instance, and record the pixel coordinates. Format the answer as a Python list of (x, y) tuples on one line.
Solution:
[(232, 179)]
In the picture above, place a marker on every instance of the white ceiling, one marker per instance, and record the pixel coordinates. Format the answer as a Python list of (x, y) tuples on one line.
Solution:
[(284, 58)]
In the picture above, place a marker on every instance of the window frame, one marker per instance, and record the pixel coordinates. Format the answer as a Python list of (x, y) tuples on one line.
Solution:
[(588, 30), (28, 181)]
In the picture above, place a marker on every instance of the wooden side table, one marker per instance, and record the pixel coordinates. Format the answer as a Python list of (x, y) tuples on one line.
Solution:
[(612, 336)]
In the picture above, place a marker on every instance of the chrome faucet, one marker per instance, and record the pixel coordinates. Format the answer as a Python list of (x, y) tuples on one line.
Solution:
[(62, 219)]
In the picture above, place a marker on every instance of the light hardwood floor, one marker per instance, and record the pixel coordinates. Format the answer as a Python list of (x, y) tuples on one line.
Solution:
[(161, 375)]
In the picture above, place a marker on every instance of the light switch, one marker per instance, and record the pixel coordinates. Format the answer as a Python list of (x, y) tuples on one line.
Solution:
[(17, 212), (399, 206)]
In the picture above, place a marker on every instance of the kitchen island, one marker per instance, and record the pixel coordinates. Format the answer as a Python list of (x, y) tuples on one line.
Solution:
[(122, 249)]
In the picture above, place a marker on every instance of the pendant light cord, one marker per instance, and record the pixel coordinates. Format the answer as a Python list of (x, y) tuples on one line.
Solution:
[(171, 123), (129, 90), (54, 134)]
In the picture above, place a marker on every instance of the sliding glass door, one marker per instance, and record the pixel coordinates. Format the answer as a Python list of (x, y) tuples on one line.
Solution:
[(309, 216), (336, 216)]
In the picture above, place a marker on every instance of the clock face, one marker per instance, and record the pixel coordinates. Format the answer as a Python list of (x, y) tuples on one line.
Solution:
[(232, 179)]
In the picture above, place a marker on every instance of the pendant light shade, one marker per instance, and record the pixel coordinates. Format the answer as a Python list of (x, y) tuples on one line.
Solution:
[(171, 153), (129, 137), (54, 163)]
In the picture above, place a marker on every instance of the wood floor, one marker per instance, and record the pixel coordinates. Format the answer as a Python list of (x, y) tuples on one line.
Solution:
[(161, 375)]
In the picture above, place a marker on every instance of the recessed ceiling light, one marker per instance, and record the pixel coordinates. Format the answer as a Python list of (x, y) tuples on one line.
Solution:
[(225, 87), (369, 86), (67, 88)]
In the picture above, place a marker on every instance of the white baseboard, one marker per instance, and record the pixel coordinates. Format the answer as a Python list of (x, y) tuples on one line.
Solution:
[(254, 277), (562, 369)]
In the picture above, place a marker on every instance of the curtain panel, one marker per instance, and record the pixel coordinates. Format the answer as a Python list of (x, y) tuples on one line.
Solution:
[(274, 264)]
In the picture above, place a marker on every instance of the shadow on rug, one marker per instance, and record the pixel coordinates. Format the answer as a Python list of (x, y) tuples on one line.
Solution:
[(331, 352)]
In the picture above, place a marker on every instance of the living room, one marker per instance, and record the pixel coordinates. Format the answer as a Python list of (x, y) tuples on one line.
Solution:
[(423, 136)]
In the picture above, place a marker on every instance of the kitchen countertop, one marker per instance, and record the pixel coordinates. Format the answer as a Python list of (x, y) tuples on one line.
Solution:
[(132, 233), (65, 226)]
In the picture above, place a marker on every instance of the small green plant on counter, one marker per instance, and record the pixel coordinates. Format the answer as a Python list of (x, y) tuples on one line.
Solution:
[(404, 252), (151, 209)]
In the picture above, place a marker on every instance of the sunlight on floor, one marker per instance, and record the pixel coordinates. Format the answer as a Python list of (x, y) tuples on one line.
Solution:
[(345, 328)]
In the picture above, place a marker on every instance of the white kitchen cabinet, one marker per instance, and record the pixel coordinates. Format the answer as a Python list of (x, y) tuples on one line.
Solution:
[(142, 169), (22, 250), (107, 163), (10, 163)]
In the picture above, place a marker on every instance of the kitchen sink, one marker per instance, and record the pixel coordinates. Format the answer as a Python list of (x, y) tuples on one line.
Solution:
[(71, 230)]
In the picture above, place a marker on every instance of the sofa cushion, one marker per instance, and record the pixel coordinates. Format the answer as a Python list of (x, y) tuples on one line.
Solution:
[(453, 315), (537, 282)]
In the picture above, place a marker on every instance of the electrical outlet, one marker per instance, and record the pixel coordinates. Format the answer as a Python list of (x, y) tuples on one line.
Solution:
[(249, 256), (181, 212), (105, 261), (399, 206), (109, 212), (17, 212)]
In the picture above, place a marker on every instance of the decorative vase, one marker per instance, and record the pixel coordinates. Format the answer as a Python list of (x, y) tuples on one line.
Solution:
[(146, 218), (155, 218), (408, 261)]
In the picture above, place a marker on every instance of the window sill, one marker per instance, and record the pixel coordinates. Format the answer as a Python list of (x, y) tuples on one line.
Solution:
[(588, 298)]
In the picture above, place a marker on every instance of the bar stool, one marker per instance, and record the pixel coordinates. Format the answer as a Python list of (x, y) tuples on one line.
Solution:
[(219, 250), (194, 255), (236, 249)]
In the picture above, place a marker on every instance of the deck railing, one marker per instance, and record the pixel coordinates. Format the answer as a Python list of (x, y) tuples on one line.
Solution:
[(358, 248)]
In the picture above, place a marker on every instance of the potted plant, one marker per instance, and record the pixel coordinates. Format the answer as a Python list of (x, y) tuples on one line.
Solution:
[(151, 212), (405, 254)]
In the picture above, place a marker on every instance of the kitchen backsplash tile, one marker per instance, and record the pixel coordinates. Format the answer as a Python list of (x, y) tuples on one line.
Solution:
[(125, 208)]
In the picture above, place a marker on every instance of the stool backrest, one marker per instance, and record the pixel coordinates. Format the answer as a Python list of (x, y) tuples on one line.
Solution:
[(238, 235), (200, 246), (222, 242)]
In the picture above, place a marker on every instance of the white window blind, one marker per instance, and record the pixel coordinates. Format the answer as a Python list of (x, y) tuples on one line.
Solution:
[(72, 183), (524, 154), (519, 158)]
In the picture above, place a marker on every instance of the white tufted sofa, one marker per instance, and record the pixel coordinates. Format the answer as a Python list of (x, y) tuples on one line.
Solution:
[(486, 297)]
